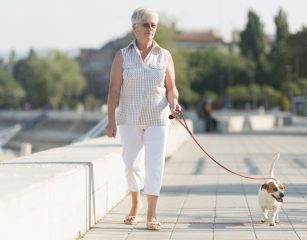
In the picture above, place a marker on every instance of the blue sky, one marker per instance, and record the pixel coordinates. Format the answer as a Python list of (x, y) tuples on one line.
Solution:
[(70, 24)]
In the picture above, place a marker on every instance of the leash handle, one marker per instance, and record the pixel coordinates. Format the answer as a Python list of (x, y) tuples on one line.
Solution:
[(185, 125)]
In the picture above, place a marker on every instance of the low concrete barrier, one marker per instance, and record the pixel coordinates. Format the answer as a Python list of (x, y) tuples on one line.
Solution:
[(56, 194), (283, 119), (244, 121), (261, 122), (230, 123)]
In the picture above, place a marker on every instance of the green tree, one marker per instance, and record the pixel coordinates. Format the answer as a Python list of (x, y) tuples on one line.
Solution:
[(215, 70), (11, 93), (64, 81), (302, 83), (26, 72), (290, 89), (10, 61), (183, 82), (239, 95), (297, 53), (91, 103), (53, 81), (253, 46), (269, 96), (255, 94), (278, 52), (284, 103), (24, 69), (253, 43)]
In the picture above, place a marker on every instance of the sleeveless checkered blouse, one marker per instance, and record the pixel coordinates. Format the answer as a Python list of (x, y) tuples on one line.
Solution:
[(143, 94)]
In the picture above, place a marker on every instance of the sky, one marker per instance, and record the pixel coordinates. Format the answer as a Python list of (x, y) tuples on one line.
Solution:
[(74, 24)]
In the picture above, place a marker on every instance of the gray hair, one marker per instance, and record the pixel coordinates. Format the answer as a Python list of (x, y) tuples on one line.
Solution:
[(143, 13)]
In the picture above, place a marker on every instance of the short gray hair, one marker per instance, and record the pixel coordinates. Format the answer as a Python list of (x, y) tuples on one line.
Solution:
[(143, 13)]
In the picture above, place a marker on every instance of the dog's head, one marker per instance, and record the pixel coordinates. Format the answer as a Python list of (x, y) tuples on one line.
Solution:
[(275, 189)]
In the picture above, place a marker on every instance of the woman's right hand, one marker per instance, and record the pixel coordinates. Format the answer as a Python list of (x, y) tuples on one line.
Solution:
[(111, 130)]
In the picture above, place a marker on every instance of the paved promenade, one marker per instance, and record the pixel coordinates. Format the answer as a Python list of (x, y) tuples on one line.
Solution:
[(200, 200)]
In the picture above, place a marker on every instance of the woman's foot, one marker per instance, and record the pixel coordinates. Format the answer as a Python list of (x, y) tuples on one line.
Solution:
[(153, 225), (132, 220)]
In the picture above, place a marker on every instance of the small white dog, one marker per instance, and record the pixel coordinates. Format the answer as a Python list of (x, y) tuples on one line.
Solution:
[(270, 196)]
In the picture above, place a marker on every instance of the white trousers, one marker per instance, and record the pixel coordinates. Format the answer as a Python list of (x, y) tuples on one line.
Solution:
[(144, 146)]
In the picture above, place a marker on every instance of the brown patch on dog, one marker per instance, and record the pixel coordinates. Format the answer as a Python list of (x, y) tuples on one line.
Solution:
[(282, 186), (265, 186), (270, 187)]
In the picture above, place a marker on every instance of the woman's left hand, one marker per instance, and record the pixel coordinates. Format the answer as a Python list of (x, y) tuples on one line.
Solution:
[(176, 109)]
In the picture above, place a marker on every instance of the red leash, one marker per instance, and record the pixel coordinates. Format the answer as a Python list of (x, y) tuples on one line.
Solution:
[(184, 124)]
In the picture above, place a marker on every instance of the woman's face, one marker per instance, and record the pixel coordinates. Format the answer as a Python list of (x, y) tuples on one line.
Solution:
[(146, 29)]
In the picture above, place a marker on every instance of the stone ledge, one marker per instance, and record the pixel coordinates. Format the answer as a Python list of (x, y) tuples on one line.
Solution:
[(247, 121), (56, 194)]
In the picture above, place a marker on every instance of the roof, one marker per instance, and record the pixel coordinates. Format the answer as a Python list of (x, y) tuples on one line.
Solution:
[(208, 36)]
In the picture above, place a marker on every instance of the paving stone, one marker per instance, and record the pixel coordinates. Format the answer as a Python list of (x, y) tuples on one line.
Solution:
[(200, 200)]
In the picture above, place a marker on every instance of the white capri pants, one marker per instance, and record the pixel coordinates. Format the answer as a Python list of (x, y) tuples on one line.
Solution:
[(144, 145)]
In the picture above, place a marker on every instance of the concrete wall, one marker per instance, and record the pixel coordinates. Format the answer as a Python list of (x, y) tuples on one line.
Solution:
[(52, 114), (56, 194), (246, 121)]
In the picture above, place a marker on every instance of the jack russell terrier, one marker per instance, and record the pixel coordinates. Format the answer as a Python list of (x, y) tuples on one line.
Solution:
[(270, 196)]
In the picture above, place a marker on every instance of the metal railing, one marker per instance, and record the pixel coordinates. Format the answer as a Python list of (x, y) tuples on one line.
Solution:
[(8, 133), (96, 131)]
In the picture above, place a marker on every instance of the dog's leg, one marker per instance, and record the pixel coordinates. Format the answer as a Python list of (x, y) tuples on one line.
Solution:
[(275, 211), (277, 214), (264, 215)]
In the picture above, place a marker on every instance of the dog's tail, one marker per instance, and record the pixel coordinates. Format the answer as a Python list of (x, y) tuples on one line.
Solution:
[(275, 158)]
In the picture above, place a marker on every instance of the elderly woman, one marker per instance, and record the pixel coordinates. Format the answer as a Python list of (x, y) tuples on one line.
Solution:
[(142, 79)]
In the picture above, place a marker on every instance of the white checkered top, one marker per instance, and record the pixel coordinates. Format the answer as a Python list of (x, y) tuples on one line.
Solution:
[(143, 94)]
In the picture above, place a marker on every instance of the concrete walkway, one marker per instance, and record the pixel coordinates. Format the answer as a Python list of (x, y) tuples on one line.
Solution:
[(199, 200)]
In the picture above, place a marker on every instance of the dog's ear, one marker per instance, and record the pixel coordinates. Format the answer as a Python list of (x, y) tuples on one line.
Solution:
[(265, 186), (282, 185)]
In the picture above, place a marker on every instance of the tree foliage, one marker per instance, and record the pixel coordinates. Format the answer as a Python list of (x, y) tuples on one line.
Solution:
[(297, 53), (302, 83), (263, 73), (253, 42), (278, 53), (53, 80), (253, 95), (215, 70), (253, 46), (187, 95), (11, 93)]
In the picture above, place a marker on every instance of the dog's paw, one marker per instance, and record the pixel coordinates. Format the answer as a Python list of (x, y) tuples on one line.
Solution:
[(272, 224), (262, 220)]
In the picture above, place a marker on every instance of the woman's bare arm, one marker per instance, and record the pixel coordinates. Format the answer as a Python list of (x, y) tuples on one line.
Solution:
[(171, 89), (116, 80)]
